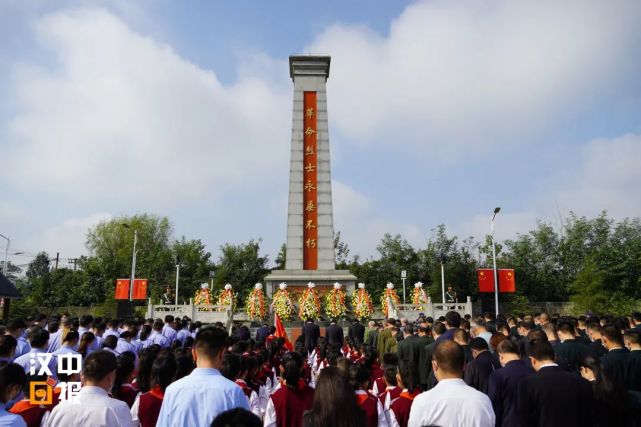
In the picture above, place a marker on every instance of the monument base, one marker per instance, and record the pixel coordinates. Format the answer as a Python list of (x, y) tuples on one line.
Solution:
[(298, 279)]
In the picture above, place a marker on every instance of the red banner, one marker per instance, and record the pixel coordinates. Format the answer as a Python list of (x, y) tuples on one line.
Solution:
[(486, 279), (507, 281), (281, 332), (122, 289), (140, 289), (310, 182)]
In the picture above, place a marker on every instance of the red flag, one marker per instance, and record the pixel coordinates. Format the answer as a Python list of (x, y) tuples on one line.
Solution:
[(486, 279), (281, 333), (122, 289), (140, 289), (507, 281)]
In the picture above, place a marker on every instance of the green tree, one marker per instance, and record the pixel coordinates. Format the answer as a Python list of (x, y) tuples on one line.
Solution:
[(342, 252), (195, 266), (589, 293), (281, 259), (242, 266), (112, 243)]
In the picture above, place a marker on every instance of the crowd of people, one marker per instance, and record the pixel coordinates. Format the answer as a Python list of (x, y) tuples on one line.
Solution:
[(526, 370)]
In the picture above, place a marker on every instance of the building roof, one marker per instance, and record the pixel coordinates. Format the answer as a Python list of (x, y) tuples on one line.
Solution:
[(8, 289)]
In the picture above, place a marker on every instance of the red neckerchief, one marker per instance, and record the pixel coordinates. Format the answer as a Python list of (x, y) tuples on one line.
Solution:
[(157, 392), (409, 396), (24, 405), (362, 397)]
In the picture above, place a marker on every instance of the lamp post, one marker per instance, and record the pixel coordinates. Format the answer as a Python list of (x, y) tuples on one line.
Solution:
[(496, 279), (177, 276), (6, 254), (442, 258), (133, 262)]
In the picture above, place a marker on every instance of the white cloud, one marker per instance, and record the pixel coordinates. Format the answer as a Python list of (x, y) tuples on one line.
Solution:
[(122, 118), (607, 177), (70, 236), (454, 77)]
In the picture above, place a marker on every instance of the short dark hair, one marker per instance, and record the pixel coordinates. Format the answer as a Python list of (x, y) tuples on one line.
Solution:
[(439, 328), (566, 327), (479, 344), (540, 350), (8, 345), (508, 346), (462, 335), (526, 324), (38, 337), (210, 341), (634, 335), (612, 333), (169, 318), (450, 357), (390, 359), (85, 321), (16, 324), (99, 364), (453, 319), (231, 366), (390, 375), (408, 329), (11, 374), (71, 335), (237, 417)]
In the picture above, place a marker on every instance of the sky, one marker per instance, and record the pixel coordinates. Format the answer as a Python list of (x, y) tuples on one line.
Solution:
[(439, 111)]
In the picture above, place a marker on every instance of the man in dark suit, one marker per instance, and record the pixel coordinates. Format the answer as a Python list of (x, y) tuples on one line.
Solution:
[(424, 339), (632, 340), (462, 338), (356, 333), (502, 386), (310, 333), (594, 333), (262, 333), (478, 371), (409, 347), (570, 353), (334, 335), (437, 330), (372, 334), (615, 362), (553, 397)]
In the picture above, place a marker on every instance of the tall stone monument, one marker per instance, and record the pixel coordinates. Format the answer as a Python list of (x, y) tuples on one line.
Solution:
[(310, 225)]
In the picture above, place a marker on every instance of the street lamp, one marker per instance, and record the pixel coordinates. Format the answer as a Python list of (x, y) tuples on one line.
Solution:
[(442, 258), (496, 279), (133, 262), (6, 254)]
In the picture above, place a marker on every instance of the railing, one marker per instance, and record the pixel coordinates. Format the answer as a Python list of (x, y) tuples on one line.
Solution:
[(210, 313)]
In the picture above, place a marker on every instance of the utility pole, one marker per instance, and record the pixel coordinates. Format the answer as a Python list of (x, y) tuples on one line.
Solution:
[(57, 260), (496, 280), (6, 254)]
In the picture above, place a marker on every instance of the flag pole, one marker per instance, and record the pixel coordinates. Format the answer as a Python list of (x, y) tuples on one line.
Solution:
[(496, 280)]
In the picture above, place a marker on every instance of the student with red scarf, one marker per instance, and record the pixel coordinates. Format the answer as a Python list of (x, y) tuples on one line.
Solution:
[(288, 403), (374, 413), (146, 408), (407, 378)]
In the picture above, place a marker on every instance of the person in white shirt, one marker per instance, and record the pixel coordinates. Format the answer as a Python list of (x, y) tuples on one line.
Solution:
[(113, 329), (169, 328), (183, 333), (93, 407), (38, 339), (12, 378), (157, 337), (451, 402)]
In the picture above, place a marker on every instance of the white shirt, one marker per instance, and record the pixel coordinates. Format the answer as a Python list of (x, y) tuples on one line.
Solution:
[(94, 409), (452, 403)]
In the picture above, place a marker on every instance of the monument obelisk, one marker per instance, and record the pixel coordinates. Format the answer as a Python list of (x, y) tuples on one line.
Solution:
[(310, 224)]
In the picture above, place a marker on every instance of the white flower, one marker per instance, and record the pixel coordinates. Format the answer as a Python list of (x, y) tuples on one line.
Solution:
[(227, 287), (418, 285), (283, 286), (258, 286), (337, 285), (361, 285), (204, 286), (311, 285), (390, 285)]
